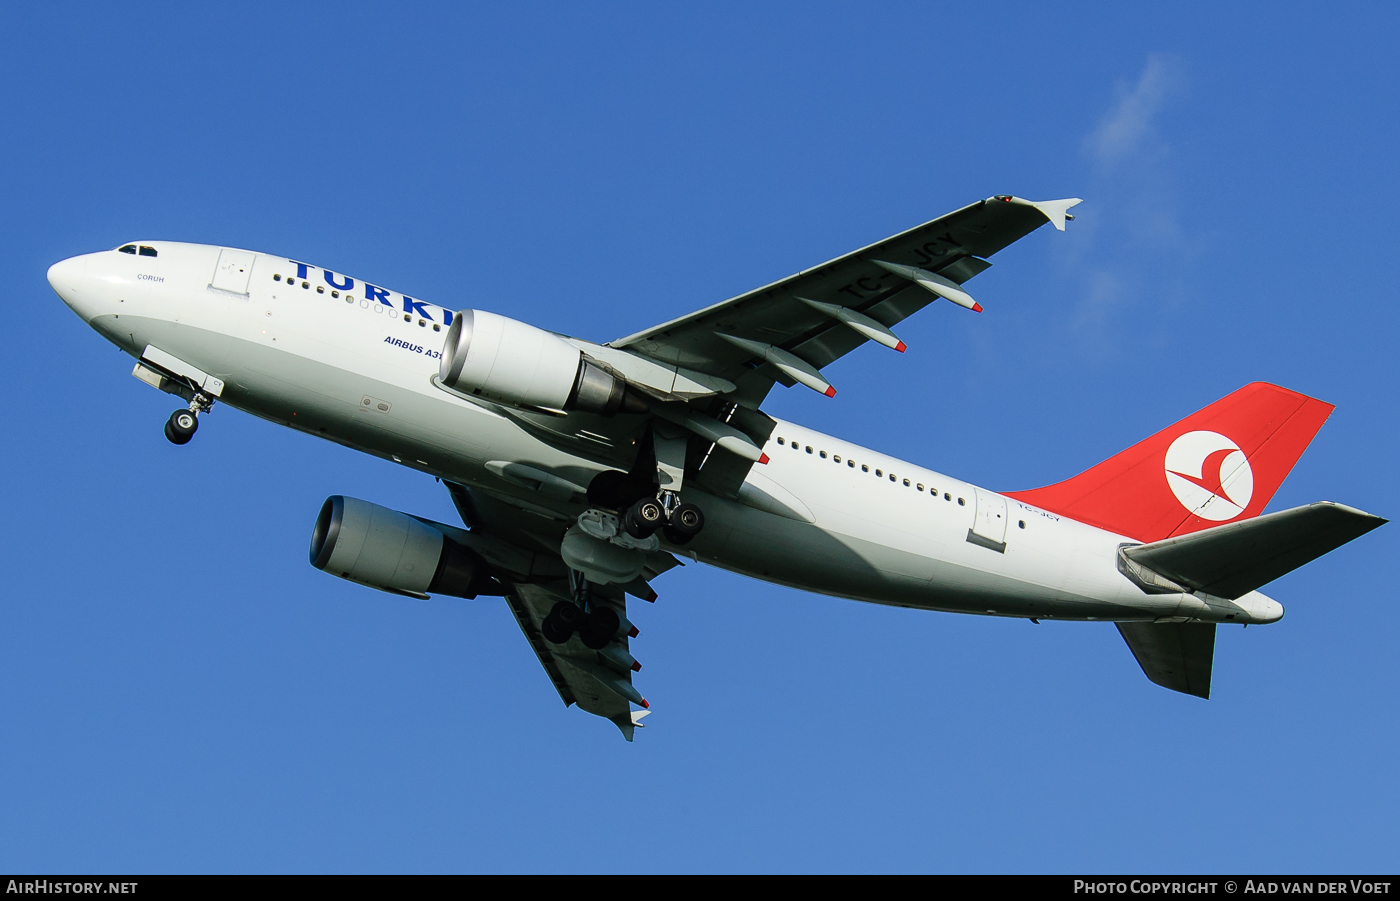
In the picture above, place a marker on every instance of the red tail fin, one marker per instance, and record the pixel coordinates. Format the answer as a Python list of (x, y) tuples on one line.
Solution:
[(1217, 465)]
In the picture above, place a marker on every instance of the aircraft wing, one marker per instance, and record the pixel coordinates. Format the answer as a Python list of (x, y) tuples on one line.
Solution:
[(524, 546), (707, 374), (580, 675), (823, 313)]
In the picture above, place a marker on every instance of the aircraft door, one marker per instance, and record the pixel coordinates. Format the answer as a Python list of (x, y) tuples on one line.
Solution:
[(233, 271), (989, 523)]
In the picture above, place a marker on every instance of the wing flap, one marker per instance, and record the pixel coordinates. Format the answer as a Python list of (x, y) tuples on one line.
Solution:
[(1232, 560), (1178, 656)]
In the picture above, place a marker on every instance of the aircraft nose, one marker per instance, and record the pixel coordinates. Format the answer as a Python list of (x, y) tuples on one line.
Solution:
[(65, 277)]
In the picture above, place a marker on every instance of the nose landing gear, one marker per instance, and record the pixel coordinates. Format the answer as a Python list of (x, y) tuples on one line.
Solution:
[(182, 424)]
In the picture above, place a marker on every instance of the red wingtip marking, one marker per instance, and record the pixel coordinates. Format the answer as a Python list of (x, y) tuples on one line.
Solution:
[(763, 459), (976, 308), (645, 704), (901, 347), (830, 391), (635, 631), (636, 667)]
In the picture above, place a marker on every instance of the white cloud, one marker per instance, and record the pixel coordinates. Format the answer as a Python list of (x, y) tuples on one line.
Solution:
[(1125, 128), (1133, 259)]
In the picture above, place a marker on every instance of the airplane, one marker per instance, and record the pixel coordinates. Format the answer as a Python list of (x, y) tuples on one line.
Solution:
[(583, 471)]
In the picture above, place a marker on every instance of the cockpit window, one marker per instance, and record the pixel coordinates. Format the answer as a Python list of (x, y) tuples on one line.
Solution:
[(147, 251), (127, 248)]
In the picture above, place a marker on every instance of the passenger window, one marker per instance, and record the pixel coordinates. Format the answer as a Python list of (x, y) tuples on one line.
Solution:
[(780, 441), (335, 294), (436, 327), (864, 468), (947, 496), (921, 486), (276, 277), (823, 454), (147, 251), (809, 448), (851, 463), (879, 472), (906, 483), (127, 248), (962, 503), (407, 318), (320, 290), (892, 477), (836, 458), (1022, 523)]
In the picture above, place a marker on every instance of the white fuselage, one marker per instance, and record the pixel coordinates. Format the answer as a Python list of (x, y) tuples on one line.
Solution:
[(356, 365)]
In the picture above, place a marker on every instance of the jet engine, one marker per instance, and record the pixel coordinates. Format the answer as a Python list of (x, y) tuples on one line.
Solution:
[(501, 359), (394, 552)]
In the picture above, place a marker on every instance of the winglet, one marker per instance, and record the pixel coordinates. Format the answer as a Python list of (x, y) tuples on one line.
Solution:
[(1057, 211)]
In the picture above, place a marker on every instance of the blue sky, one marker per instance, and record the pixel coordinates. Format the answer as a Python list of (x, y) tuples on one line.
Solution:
[(180, 690)]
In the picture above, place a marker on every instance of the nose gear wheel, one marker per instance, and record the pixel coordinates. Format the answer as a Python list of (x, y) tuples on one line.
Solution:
[(181, 426)]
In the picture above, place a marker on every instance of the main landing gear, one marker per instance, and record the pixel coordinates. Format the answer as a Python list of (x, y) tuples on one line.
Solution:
[(678, 522), (596, 624), (648, 498), (596, 628), (182, 424)]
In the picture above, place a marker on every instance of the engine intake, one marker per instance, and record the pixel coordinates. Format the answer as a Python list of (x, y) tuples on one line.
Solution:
[(501, 359), (394, 552)]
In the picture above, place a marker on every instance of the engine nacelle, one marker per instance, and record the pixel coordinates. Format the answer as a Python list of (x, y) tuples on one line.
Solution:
[(501, 359), (392, 551)]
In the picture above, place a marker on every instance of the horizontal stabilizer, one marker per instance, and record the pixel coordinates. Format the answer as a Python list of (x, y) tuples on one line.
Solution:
[(1178, 656), (1232, 560)]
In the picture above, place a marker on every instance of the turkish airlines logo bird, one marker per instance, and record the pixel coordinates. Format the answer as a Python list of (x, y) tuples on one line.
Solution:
[(1210, 475)]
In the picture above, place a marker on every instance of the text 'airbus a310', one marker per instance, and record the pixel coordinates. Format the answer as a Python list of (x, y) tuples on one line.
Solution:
[(581, 469)]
